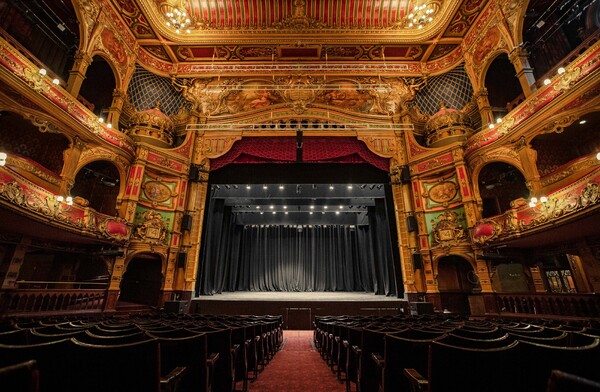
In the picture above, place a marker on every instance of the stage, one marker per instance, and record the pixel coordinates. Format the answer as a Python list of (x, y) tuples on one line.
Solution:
[(298, 308)]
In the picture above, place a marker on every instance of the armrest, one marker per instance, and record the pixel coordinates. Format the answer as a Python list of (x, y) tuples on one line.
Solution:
[(345, 343), (212, 359), (235, 349), (379, 361), (418, 382), (356, 350), (247, 343), (170, 382)]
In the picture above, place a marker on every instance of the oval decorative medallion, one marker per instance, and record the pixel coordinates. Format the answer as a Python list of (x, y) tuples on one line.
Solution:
[(157, 191), (442, 192)]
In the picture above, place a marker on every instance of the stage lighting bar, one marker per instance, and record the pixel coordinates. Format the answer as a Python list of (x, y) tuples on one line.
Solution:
[(310, 126), (285, 68), (307, 87)]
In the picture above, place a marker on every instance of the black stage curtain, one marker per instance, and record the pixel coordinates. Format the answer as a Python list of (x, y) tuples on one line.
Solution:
[(287, 258)]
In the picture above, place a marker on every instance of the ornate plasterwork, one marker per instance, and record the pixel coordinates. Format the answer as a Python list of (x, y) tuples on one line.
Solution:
[(447, 231), (152, 229), (215, 97), (298, 20), (570, 200)]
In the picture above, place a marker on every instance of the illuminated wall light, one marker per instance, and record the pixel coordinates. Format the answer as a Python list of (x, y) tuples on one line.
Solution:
[(547, 82), (274, 212), (100, 120), (543, 199), (285, 207), (349, 186), (60, 199), (341, 207), (248, 187), (310, 213), (286, 212), (69, 200), (598, 156), (582, 122), (561, 71), (109, 125), (43, 71), (271, 207), (337, 212), (498, 120), (491, 126), (330, 187), (281, 186), (258, 207), (312, 207), (55, 81), (3, 157), (265, 187), (325, 207)]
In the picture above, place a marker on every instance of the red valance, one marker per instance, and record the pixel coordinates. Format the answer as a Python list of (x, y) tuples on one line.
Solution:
[(314, 150)]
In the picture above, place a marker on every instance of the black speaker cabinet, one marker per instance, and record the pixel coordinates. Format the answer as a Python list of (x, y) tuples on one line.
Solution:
[(194, 174), (411, 223), (417, 261), (405, 175), (181, 259), (186, 222)]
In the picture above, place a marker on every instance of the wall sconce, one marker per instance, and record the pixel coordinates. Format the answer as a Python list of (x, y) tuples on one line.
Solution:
[(534, 201), (3, 157), (68, 200)]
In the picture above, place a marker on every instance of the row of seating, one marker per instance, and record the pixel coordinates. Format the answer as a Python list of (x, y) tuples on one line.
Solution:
[(433, 353), (146, 353)]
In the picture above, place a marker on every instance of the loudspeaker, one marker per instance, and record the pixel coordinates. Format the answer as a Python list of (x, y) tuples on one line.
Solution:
[(181, 259), (417, 262), (405, 175), (411, 223), (186, 222), (194, 174)]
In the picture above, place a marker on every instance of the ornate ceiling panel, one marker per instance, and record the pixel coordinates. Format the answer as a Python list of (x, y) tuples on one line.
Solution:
[(298, 30)]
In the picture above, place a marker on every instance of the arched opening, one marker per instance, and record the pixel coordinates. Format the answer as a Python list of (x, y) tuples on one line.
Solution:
[(98, 183), (55, 269), (20, 137), (580, 139), (499, 184), (502, 85), (142, 281), (456, 281), (97, 88), (48, 29)]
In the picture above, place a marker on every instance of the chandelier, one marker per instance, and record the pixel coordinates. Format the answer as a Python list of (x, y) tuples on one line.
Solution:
[(421, 15), (177, 19)]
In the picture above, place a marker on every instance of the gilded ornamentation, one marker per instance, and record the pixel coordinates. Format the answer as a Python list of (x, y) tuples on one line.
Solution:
[(113, 47), (559, 125), (156, 191), (447, 231), (395, 95), (443, 192), (447, 126), (521, 217), (153, 229), (44, 125), (569, 170), (301, 91), (299, 20), (567, 79)]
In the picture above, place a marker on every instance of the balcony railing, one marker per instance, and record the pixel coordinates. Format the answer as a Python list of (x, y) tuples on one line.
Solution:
[(548, 304), (51, 301)]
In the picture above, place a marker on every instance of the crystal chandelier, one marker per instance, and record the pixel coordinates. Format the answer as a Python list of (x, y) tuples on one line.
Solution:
[(421, 15), (179, 20)]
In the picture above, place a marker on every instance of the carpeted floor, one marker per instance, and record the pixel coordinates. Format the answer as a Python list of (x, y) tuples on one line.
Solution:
[(297, 368)]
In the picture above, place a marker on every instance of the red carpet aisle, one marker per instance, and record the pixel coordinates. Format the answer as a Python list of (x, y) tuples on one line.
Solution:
[(297, 368)]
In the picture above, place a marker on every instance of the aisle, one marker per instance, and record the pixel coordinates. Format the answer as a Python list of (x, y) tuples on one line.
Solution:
[(297, 368)]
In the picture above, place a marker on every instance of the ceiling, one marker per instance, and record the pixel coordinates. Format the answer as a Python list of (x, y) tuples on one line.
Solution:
[(301, 30)]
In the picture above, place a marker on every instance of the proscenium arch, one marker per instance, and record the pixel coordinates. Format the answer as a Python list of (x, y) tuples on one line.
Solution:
[(382, 142)]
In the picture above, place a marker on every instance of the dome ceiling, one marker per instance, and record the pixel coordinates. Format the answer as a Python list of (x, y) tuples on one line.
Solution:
[(299, 30)]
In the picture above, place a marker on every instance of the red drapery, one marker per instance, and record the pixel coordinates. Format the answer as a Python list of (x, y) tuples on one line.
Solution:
[(314, 150)]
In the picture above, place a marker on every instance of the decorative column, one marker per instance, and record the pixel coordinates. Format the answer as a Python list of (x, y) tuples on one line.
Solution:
[(71, 160), (15, 264), (483, 103), (112, 294), (527, 157), (196, 201), (77, 73), (116, 107), (518, 57)]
